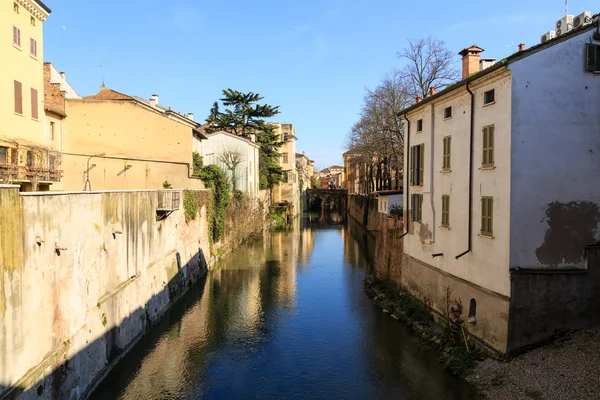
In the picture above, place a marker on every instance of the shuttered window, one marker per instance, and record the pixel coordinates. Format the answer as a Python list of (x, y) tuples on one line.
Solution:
[(417, 154), (34, 103), (487, 216), (446, 211), (420, 125), (3, 155), (488, 147), (285, 157), (446, 160), (417, 207), (16, 36), (29, 158), (33, 47), (18, 98)]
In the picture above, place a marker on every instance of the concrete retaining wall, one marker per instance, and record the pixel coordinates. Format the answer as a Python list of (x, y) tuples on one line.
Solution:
[(68, 315)]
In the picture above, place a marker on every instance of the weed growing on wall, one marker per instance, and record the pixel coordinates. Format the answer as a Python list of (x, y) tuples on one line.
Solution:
[(190, 205)]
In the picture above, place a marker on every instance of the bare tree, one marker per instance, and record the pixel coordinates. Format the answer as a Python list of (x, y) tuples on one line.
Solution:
[(429, 64), (232, 157)]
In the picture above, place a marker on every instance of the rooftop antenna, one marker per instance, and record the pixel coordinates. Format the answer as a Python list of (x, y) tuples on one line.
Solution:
[(101, 73), (566, 7)]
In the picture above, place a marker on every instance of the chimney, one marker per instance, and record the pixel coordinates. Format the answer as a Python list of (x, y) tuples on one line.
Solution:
[(470, 60), (154, 100), (432, 91), (62, 74), (418, 99), (521, 46), (486, 63), (191, 116)]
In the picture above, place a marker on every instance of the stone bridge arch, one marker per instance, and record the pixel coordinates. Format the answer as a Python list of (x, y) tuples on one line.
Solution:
[(331, 200)]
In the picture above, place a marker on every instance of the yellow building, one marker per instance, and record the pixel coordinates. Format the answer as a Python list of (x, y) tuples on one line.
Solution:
[(24, 156), (287, 191), (113, 141)]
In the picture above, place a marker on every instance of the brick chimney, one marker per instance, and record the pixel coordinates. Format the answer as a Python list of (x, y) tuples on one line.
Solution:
[(521, 46), (470, 60), (418, 99), (432, 90)]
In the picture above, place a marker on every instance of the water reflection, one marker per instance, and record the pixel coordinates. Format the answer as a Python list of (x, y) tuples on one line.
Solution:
[(284, 317)]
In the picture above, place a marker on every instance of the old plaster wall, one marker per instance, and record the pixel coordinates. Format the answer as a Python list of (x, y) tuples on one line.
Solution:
[(364, 210), (68, 315), (563, 300), (555, 195)]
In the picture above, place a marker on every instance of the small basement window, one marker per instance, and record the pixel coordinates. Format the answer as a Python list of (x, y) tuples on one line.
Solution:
[(592, 57), (489, 97), (447, 112), (420, 125), (472, 312)]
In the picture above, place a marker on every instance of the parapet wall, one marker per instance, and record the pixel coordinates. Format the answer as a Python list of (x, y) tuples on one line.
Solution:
[(82, 276)]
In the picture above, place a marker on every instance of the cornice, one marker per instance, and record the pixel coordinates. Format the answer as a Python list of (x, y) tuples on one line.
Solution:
[(34, 8)]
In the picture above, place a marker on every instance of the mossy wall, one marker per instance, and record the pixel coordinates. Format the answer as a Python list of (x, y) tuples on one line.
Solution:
[(68, 314)]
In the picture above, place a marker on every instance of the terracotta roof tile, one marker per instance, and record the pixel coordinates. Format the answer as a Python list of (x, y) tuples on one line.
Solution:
[(108, 94)]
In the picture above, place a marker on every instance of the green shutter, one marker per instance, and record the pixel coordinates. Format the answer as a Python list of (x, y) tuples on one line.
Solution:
[(449, 152), (592, 51), (491, 130), (484, 147), (421, 163), (412, 165)]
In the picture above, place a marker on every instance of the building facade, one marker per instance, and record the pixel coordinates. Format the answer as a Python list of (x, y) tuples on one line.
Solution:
[(25, 154), (225, 149), (494, 162), (288, 190), (112, 141)]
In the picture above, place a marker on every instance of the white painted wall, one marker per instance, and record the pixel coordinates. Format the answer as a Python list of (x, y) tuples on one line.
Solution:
[(247, 171), (555, 147), (56, 77), (487, 263)]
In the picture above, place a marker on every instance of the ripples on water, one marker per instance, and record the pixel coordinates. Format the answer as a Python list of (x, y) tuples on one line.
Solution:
[(283, 317)]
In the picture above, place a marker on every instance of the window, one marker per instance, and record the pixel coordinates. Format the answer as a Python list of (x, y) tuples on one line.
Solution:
[(488, 147), (447, 112), (16, 37), (285, 176), (489, 97), (29, 158), (52, 164), (487, 216), (16, 7), (420, 125), (416, 165), (285, 157), (32, 20), (34, 103), (417, 205), (592, 57), (446, 157), (14, 156), (446, 211), (3, 155), (18, 98), (52, 138), (32, 47), (472, 312)]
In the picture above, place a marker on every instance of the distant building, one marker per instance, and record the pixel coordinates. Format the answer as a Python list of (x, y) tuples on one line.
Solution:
[(116, 141), (386, 199), (221, 148), (503, 191), (287, 191)]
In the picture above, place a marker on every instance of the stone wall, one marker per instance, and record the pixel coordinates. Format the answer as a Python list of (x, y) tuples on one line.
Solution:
[(564, 299), (364, 210), (82, 276)]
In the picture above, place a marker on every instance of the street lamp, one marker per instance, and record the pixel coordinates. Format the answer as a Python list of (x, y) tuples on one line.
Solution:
[(87, 171)]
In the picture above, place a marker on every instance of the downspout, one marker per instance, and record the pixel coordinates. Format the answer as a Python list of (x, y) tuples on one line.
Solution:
[(407, 188), (431, 190), (470, 173)]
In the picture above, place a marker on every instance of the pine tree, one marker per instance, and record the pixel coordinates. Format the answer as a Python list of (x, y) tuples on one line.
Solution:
[(244, 117)]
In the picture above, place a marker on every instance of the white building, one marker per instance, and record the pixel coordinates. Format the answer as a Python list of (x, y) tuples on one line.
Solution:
[(386, 199), (503, 185), (224, 149)]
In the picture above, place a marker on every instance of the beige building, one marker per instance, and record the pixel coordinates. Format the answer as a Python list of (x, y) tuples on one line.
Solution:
[(489, 160), (288, 190), (25, 154), (306, 170), (115, 141)]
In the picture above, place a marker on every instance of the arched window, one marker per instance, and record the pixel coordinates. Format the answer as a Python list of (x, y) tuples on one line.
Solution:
[(472, 312)]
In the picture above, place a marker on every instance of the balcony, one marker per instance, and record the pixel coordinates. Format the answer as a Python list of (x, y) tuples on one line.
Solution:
[(168, 201), (20, 173)]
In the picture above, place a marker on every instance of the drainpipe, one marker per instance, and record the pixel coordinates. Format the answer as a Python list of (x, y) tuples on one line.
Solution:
[(407, 188), (432, 160), (470, 173)]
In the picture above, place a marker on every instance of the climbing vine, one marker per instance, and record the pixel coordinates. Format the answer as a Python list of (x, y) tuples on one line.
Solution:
[(214, 179), (190, 205)]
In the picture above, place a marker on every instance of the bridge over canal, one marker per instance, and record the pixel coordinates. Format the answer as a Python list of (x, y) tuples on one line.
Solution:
[(327, 200)]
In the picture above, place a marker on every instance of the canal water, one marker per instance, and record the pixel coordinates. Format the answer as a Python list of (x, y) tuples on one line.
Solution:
[(284, 317)]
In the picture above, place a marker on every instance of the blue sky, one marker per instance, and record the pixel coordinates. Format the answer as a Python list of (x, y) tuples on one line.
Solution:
[(313, 58)]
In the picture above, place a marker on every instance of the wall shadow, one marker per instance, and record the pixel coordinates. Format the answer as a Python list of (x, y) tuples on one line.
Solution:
[(70, 379)]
